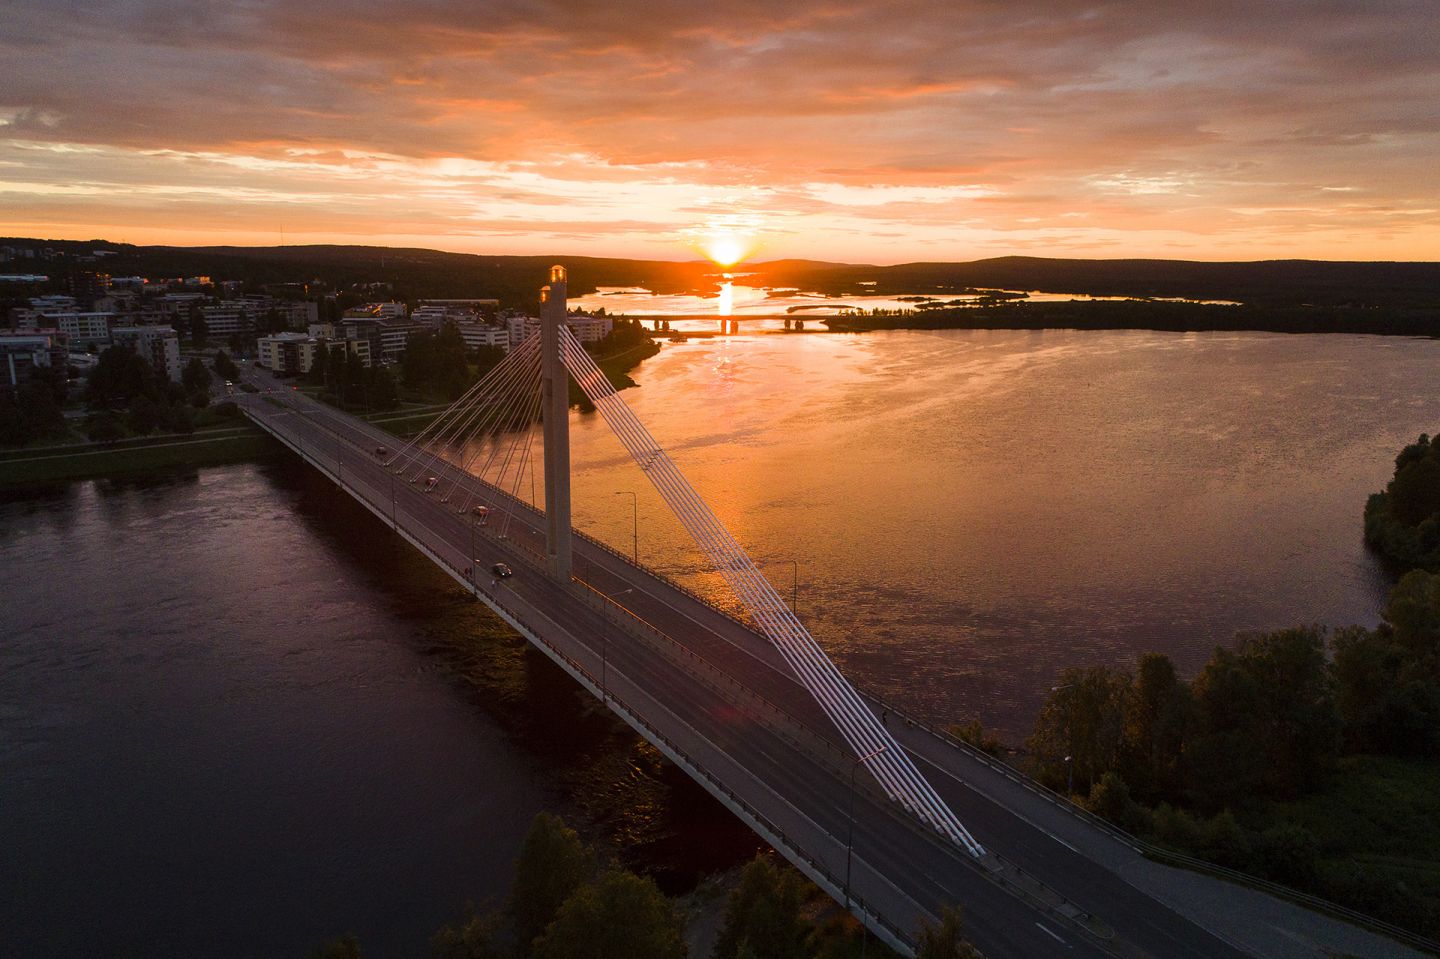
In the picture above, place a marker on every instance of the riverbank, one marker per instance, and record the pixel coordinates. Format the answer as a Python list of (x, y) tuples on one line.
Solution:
[(218, 447), (1153, 315)]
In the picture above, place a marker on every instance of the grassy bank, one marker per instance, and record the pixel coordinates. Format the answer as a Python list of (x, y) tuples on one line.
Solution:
[(84, 460)]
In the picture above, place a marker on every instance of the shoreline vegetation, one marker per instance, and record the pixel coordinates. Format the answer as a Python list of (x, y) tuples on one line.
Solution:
[(231, 438), (1307, 756), (1150, 315)]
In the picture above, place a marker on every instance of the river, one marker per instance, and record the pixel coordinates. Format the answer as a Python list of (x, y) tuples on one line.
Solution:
[(229, 721)]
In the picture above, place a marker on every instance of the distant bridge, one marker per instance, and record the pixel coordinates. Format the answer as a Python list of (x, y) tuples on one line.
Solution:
[(891, 818)]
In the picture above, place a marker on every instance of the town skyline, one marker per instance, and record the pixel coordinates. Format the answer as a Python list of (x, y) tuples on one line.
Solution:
[(853, 133)]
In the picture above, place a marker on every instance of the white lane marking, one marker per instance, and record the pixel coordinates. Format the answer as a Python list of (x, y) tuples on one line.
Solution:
[(994, 802), (1052, 935)]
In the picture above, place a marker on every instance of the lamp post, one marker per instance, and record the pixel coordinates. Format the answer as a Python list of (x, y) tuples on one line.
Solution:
[(1069, 776), (605, 646), (634, 524), (850, 832)]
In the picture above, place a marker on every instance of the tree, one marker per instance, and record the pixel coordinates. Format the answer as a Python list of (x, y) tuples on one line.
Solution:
[(382, 390), (1154, 724), (476, 937), (1415, 491), (1266, 720), (1387, 681), (1081, 719), (119, 377), (225, 366), (553, 863), (618, 916), (195, 377), (764, 911), (947, 940), (199, 329), (29, 412), (104, 427), (346, 947), (319, 372)]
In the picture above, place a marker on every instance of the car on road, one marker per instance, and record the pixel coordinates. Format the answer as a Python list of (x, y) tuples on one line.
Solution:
[(381, 451), (431, 483), (502, 571), (481, 511)]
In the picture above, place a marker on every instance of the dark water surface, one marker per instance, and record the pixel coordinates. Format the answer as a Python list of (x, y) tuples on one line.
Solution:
[(229, 720)]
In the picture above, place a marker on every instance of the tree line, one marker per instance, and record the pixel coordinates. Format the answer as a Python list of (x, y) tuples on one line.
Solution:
[(1263, 724), (1403, 522)]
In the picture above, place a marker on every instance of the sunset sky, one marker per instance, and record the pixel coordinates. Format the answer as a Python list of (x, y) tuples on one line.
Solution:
[(874, 132)]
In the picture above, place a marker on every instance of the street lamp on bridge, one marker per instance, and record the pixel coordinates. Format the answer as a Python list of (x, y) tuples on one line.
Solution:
[(850, 832), (605, 644)]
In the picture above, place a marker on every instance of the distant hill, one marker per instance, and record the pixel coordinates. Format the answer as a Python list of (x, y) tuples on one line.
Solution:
[(514, 279)]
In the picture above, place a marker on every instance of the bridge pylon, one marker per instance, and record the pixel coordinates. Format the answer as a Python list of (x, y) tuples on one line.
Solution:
[(555, 412)]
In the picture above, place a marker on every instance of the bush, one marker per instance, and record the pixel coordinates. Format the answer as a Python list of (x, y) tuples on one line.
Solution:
[(1287, 853)]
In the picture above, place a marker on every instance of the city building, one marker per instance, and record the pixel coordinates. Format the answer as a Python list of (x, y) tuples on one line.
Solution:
[(158, 344), (477, 335), (295, 352), (587, 329), (388, 338), (84, 329), (21, 353)]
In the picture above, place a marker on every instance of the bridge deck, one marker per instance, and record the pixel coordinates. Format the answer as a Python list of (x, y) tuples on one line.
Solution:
[(715, 697)]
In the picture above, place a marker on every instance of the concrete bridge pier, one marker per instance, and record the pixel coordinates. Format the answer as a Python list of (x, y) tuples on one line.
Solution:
[(555, 409)]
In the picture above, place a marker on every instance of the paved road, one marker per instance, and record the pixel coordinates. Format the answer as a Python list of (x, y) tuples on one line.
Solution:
[(719, 697)]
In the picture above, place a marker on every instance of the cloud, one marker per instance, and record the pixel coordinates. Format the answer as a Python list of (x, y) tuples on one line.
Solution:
[(969, 124)]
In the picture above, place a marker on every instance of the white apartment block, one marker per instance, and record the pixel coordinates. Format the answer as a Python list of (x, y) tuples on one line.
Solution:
[(158, 344), (477, 335), (295, 352)]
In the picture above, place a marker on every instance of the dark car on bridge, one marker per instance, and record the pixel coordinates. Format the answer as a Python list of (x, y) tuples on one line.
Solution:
[(502, 570)]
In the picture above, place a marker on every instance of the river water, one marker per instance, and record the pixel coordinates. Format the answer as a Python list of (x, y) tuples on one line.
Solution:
[(228, 721)]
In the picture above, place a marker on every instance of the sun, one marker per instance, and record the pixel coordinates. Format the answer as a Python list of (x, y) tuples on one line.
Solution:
[(727, 249)]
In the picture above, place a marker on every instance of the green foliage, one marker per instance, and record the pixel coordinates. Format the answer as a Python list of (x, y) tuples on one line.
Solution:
[(198, 329), (346, 947), (1081, 719), (618, 916), (553, 863), (973, 733), (104, 427), (474, 937), (1266, 721), (319, 373), (947, 940), (435, 363), (32, 411), (120, 376), (1403, 523), (1110, 799), (196, 378), (1156, 718), (226, 367), (764, 910), (1388, 680)]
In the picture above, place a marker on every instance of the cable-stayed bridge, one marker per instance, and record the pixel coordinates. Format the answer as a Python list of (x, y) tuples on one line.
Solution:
[(892, 819)]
